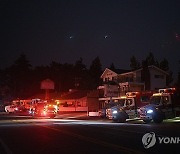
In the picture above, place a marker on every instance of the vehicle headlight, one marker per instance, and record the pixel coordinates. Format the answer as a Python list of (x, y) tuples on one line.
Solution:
[(115, 112), (44, 112), (149, 111), (56, 107)]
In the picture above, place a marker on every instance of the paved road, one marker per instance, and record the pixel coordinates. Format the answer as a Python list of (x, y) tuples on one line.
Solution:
[(26, 135)]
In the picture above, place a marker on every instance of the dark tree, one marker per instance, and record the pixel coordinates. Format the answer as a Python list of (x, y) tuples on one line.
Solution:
[(169, 78), (178, 79), (150, 60), (56, 74), (79, 67), (67, 77), (80, 74), (134, 64), (95, 72), (145, 75), (22, 64), (19, 77), (112, 67), (164, 65)]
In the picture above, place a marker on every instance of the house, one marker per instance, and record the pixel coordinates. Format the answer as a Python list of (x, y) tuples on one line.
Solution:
[(74, 100), (150, 78)]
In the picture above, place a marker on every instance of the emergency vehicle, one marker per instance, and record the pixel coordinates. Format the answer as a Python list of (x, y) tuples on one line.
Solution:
[(44, 108), (11, 108), (109, 103), (163, 105), (18, 106), (133, 101)]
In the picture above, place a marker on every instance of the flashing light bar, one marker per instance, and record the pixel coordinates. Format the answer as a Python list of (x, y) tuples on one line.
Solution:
[(167, 90), (131, 93)]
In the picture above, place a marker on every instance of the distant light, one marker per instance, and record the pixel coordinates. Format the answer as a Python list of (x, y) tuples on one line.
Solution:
[(71, 37), (105, 36)]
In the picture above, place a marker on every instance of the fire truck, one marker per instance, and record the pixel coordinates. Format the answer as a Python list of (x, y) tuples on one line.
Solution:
[(133, 101), (44, 108), (18, 106), (163, 105)]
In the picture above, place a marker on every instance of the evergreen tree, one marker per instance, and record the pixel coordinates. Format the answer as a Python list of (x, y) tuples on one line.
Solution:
[(169, 78), (95, 72), (164, 65), (19, 77), (150, 59), (112, 67), (56, 74), (178, 80), (134, 64), (80, 74), (79, 67), (145, 75)]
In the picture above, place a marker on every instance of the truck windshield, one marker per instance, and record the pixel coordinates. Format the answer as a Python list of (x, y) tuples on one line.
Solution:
[(155, 100), (121, 102)]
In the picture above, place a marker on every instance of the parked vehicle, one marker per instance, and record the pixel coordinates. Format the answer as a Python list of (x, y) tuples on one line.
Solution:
[(114, 105), (104, 110), (46, 109), (163, 105), (130, 109), (11, 108), (20, 106)]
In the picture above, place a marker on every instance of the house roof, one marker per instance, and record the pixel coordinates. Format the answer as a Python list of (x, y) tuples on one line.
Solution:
[(117, 71), (124, 72), (77, 94), (152, 66), (52, 95), (131, 72), (120, 71)]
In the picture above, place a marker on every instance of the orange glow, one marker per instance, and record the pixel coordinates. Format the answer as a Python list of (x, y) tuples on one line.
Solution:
[(57, 102), (132, 93), (123, 97), (167, 90)]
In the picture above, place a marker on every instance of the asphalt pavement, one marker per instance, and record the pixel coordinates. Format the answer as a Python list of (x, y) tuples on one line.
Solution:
[(77, 133)]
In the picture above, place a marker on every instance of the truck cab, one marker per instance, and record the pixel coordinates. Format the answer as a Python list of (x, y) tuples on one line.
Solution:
[(163, 105), (130, 109), (112, 107)]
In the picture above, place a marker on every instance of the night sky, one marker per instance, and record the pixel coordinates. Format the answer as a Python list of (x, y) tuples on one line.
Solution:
[(65, 30)]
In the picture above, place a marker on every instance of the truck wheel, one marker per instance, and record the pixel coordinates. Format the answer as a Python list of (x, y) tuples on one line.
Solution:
[(115, 120), (158, 118), (33, 115), (121, 118), (147, 120)]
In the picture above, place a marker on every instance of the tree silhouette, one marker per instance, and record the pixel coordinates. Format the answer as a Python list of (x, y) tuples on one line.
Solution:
[(95, 72), (134, 64), (164, 65), (19, 77), (112, 67)]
